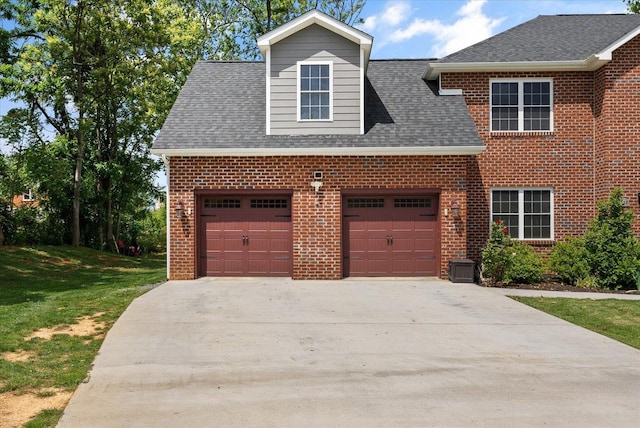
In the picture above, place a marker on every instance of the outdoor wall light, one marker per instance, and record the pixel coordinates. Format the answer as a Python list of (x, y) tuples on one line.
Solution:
[(455, 209), (180, 210)]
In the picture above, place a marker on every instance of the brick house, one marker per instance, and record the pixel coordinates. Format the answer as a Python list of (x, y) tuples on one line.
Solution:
[(321, 163)]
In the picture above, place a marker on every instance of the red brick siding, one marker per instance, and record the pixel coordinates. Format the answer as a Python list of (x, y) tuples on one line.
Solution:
[(317, 239), (594, 147), (617, 125)]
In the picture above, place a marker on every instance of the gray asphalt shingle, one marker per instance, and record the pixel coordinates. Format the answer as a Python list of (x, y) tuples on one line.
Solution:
[(550, 38), (222, 105)]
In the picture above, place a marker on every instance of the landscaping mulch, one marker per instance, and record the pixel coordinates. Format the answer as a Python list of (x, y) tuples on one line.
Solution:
[(553, 284)]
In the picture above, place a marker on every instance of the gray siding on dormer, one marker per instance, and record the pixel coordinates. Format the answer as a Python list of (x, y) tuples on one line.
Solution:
[(315, 43)]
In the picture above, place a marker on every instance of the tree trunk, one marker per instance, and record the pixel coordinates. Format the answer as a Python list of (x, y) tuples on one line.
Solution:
[(77, 182)]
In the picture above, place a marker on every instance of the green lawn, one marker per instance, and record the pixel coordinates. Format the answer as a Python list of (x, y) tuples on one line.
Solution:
[(617, 319), (52, 287)]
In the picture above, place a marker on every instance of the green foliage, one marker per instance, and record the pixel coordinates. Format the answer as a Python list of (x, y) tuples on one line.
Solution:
[(569, 260), (634, 5), (609, 254), (153, 231), (525, 265), (495, 258), (509, 261), (613, 250)]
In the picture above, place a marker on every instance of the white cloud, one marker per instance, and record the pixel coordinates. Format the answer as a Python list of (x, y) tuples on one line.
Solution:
[(393, 14), (472, 26)]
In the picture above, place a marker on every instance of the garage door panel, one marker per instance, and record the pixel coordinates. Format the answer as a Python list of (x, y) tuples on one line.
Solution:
[(280, 245), (246, 236), (390, 235)]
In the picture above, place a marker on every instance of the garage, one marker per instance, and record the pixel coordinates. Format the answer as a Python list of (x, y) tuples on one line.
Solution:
[(390, 235), (247, 235)]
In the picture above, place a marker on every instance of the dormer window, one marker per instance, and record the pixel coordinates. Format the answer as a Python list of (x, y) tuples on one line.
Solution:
[(315, 86)]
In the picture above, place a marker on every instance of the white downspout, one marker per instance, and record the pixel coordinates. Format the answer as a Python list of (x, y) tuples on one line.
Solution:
[(165, 159)]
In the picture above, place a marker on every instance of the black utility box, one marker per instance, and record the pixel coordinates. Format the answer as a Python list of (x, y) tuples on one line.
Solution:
[(461, 270)]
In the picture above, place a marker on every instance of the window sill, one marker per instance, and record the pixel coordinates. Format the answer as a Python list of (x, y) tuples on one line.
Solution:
[(521, 133), (539, 242)]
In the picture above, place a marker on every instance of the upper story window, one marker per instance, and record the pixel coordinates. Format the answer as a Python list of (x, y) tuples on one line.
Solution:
[(28, 196), (315, 91), (526, 213), (521, 105)]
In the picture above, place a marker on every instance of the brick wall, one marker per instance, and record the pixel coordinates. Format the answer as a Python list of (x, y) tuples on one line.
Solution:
[(594, 147), (617, 125), (562, 159), (316, 218)]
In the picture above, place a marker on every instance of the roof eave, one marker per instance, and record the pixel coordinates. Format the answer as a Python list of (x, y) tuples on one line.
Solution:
[(435, 69), (322, 151)]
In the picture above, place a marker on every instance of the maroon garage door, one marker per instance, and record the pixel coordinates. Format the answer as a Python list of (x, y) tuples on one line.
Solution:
[(390, 235), (245, 236)]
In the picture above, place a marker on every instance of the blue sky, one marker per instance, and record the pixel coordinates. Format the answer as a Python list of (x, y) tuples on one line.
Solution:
[(436, 28)]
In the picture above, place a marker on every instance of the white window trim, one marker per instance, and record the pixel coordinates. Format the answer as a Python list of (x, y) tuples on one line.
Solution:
[(299, 64), (521, 83), (521, 191), (28, 196)]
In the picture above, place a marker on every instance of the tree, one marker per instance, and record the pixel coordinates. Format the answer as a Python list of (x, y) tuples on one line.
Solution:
[(634, 5), (99, 77)]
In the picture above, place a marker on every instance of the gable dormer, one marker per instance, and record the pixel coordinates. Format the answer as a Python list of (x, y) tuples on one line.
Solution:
[(315, 73)]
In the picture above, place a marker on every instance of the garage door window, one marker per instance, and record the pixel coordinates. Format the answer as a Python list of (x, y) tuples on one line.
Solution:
[(269, 203), (222, 203), (365, 203), (412, 202)]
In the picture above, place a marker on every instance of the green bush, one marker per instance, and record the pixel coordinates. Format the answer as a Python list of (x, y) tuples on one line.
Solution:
[(569, 260), (609, 254), (525, 266), (495, 260), (508, 261), (613, 250), (153, 231)]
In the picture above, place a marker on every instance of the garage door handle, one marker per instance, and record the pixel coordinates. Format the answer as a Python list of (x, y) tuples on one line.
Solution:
[(389, 240)]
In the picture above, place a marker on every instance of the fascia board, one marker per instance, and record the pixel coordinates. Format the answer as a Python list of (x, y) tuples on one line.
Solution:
[(325, 151), (435, 69)]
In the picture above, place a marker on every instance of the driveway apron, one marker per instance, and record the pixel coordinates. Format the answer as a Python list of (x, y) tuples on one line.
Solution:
[(250, 352)]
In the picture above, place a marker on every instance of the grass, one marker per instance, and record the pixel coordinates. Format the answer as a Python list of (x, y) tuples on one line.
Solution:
[(617, 319), (49, 287)]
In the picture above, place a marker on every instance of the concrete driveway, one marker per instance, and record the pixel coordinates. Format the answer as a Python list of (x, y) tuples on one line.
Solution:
[(351, 353)]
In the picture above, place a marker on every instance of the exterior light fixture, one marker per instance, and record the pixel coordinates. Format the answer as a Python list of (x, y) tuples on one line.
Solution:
[(180, 210), (455, 209)]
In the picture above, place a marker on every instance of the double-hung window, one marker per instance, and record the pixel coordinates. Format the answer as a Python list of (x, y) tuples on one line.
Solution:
[(521, 105), (526, 213), (314, 91)]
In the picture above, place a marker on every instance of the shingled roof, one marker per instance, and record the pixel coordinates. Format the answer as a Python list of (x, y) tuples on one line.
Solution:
[(221, 110), (560, 41)]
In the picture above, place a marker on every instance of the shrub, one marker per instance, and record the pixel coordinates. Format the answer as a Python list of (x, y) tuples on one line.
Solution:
[(509, 261), (613, 250), (569, 260), (525, 266), (495, 260)]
